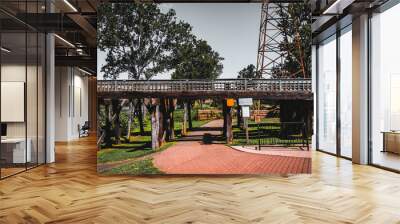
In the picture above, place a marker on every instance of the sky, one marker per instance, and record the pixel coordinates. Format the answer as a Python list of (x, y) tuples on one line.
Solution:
[(231, 29)]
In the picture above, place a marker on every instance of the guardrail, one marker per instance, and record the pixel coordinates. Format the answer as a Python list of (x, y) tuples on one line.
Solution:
[(231, 85), (286, 134)]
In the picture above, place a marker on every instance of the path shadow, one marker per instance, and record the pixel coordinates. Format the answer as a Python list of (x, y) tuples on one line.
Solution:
[(139, 145)]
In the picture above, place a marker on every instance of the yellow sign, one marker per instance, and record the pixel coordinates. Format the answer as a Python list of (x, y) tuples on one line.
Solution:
[(230, 102)]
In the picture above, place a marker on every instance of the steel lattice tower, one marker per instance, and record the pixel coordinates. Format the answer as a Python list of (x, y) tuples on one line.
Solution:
[(269, 53)]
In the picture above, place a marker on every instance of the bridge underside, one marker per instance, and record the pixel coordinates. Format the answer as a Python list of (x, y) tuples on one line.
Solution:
[(295, 95)]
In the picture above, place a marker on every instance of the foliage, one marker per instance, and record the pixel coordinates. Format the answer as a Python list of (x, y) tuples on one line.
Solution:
[(138, 38), (296, 26), (141, 167), (249, 72), (195, 59), (124, 120)]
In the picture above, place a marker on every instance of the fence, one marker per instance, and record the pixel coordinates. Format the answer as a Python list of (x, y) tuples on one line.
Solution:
[(286, 134)]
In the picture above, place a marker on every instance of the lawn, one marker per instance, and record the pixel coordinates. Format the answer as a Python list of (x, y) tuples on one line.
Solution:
[(138, 147), (140, 167)]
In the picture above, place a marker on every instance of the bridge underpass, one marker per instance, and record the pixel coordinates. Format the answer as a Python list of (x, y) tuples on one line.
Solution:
[(160, 98)]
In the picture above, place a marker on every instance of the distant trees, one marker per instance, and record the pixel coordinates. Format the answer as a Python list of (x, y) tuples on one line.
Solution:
[(248, 72)]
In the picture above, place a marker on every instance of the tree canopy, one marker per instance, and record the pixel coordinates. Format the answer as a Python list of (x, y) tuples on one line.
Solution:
[(138, 39), (248, 72), (196, 60), (141, 40), (296, 27)]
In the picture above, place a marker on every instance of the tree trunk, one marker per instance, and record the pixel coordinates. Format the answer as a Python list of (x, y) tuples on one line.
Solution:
[(185, 118), (107, 128), (140, 117), (130, 119), (190, 114), (98, 128), (171, 129), (155, 125), (162, 120), (117, 123), (229, 133)]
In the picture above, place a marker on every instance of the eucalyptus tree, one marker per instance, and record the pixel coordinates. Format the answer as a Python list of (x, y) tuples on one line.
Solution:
[(138, 39)]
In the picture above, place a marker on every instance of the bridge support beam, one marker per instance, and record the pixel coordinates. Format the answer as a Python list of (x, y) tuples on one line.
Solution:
[(238, 115), (107, 128), (140, 108), (190, 115), (117, 107)]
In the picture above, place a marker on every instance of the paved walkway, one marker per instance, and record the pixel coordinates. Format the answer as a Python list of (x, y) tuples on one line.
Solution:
[(194, 157), (275, 151)]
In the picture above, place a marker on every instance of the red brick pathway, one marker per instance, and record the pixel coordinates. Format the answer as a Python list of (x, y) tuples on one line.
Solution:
[(198, 158)]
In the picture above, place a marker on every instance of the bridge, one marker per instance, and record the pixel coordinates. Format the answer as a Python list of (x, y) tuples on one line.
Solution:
[(272, 89)]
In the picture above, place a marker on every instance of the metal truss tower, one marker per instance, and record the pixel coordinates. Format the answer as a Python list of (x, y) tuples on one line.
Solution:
[(270, 54)]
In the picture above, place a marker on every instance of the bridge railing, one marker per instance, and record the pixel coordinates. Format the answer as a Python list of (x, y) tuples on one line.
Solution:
[(270, 85)]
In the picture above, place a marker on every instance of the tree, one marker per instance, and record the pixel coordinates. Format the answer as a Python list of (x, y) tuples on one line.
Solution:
[(138, 39), (296, 27), (249, 72), (196, 60)]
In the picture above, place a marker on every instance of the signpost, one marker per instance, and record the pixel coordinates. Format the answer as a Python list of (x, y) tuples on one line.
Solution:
[(245, 103)]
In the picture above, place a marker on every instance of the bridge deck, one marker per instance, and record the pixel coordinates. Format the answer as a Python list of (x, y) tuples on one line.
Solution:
[(273, 89)]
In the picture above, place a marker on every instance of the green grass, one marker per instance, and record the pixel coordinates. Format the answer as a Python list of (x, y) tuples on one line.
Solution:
[(139, 146), (141, 167)]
